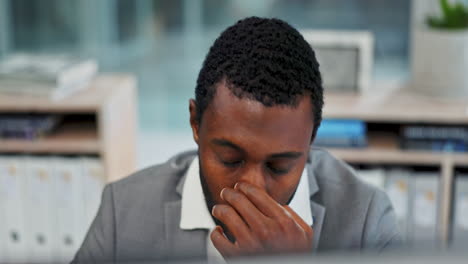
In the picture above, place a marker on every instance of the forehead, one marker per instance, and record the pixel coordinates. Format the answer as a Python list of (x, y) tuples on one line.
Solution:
[(249, 123)]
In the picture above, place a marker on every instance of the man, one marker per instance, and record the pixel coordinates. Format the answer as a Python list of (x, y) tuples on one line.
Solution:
[(254, 186)]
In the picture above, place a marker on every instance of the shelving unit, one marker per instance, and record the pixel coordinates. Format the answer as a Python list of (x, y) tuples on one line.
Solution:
[(403, 107), (110, 100)]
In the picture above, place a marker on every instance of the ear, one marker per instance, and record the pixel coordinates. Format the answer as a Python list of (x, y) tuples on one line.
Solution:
[(193, 119)]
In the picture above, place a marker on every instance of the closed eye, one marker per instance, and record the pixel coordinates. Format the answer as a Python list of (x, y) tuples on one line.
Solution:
[(232, 164), (277, 170)]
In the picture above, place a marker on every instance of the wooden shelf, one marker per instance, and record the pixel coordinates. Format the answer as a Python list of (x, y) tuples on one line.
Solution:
[(380, 156), (383, 149), (399, 106), (112, 100), (73, 138)]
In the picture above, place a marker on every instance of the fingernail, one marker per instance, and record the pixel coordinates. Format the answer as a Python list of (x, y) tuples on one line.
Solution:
[(212, 209), (221, 194), (236, 186)]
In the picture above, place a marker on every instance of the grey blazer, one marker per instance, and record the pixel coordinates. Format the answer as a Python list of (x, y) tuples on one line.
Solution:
[(139, 216)]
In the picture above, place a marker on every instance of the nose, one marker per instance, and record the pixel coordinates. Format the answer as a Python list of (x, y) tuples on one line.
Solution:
[(255, 176)]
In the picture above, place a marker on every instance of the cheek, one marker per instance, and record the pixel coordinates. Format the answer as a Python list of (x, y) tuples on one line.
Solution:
[(282, 189), (215, 175)]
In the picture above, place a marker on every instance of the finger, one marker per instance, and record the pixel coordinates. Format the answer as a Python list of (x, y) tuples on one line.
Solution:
[(261, 199), (306, 227), (221, 243), (227, 215), (247, 210)]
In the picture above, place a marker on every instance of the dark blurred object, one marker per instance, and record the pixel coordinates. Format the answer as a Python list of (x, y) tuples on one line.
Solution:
[(435, 138), (29, 127)]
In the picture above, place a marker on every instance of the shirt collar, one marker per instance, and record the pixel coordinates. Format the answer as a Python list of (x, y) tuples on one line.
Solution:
[(195, 213)]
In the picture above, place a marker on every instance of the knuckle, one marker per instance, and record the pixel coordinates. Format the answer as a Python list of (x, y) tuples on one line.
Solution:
[(236, 198), (287, 222), (214, 236), (223, 210), (247, 188), (235, 195), (263, 233)]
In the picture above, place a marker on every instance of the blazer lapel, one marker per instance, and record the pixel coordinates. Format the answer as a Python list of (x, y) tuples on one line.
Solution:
[(318, 213), (318, 210)]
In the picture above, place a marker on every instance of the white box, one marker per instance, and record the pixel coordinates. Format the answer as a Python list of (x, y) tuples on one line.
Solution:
[(346, 58), (39, 216), (69, 207), (13, 181)]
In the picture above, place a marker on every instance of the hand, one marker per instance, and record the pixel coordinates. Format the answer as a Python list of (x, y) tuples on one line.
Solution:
[(259, 224)]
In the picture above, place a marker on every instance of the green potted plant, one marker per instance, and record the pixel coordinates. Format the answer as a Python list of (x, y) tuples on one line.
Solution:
[(440, 52)]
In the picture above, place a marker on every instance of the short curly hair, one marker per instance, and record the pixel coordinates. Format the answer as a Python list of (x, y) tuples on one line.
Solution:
[(262, 59)]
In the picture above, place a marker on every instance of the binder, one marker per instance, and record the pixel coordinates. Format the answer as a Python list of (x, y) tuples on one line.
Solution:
[(373, 176), (94, 180), (2, 220), (460, 220), (397, 186), (13, 181), (39, 211), (425, 208), (3, 190), (69, 207)]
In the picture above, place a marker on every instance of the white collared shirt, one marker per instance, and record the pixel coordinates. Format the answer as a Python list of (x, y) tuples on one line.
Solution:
[(195, 213)]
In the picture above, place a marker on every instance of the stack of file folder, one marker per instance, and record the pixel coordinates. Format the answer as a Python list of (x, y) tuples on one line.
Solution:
[(47, 204)]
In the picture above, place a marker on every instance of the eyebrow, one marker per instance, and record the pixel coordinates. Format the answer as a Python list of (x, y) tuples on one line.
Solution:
[(289, 155), (227, 143)]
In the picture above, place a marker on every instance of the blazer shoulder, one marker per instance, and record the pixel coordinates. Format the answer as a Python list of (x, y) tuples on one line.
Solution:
[(330, 170), (157, 182)]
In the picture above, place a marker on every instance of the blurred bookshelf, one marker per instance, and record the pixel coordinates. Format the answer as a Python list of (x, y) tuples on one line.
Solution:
[(384, 116), (51, 181), (94, 119)]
